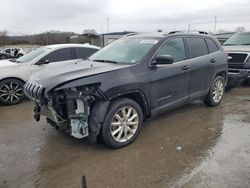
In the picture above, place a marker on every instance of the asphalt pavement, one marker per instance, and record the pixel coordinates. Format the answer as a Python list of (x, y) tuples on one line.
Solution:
[(192, 146)]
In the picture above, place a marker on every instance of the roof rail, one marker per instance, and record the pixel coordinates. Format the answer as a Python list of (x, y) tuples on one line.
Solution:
[(199, 32), (174, 32), (130, 34)]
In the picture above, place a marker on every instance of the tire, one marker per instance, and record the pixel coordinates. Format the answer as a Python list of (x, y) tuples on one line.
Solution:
[(3, 57), (116, 123), (216, 92), (19, 55), (11, 92)]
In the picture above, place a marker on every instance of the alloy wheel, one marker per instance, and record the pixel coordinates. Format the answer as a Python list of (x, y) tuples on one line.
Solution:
[(218, 91), (11, 92), (3, 57), (124, 124)]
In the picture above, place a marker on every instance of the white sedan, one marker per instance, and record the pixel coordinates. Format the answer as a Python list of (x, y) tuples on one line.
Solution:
[(14, 73)]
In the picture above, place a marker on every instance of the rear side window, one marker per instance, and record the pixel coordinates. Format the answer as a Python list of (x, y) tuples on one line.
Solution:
[(212, 46), (196, 47), (84, 53), (175, 48), (59, 55)]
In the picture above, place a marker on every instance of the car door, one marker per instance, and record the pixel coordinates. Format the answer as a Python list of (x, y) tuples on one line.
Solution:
[(201, 66), (58, 58), (169, 84)]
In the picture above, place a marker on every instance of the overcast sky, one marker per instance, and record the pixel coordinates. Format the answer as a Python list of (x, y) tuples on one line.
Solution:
[(35, 16)]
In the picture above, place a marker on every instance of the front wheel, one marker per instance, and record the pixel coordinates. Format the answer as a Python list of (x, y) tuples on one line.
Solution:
[(122, 123), (19, 55), (216, 92), (3, 57), (11, 92)]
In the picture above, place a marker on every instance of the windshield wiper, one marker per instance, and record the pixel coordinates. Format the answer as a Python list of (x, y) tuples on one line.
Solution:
[(14, 60), (245, 44), (105, 61), (230, 44)]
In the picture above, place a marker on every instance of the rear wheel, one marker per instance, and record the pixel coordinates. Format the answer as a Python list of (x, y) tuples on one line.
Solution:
[(216, 92), (11, 92), (122, 123)]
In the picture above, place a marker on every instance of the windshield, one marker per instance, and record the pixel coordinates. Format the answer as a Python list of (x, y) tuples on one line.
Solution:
[(125, 50), (238, 39), (32, 55)]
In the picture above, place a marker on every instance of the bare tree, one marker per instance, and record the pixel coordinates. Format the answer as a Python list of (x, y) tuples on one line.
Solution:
[(240, 29), (92, 31), (53, 37), (3, 37)]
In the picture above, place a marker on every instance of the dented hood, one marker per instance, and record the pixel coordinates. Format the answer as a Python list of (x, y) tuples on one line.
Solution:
[(57, 76)]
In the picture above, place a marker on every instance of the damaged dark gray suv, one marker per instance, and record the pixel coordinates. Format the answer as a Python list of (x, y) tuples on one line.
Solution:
[(130, 80)]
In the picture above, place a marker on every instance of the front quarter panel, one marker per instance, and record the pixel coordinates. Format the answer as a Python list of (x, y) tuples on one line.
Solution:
[(20, 71)]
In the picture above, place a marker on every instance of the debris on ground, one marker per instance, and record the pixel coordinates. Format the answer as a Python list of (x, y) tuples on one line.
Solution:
[(211, 129), (179, 148)]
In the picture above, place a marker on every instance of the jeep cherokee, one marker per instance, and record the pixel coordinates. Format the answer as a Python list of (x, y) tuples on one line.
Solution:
[(127, 82)]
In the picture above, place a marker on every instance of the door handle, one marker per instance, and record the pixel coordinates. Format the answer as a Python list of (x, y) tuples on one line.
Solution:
[(185, 67), (212, 60)]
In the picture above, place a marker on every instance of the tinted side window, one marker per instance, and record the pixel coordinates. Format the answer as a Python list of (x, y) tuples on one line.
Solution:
[(196, 47), (175, 48), (7, 51), (212, 46), (84, 53), (59, 55)]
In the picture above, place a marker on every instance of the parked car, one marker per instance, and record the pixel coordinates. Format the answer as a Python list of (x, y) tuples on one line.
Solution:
[(130, 80), (4, 55), (14, 73), (238, 48), (15, 52)]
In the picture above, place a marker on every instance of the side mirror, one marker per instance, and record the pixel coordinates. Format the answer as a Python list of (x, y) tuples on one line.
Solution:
[(163, 59), (42, 61)]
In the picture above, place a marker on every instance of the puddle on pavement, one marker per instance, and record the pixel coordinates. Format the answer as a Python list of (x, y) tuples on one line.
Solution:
[(227, 164)]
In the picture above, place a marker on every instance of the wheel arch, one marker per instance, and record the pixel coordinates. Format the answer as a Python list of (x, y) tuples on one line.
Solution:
[(7, 78), (137, 96), (223, 74)]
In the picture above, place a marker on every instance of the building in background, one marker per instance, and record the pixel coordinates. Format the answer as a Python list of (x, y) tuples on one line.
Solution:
[(222, 37), (100, 40), (107, 38)]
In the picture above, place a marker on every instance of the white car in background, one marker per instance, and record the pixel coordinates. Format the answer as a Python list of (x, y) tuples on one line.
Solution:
[(14, 73), (15, 52)]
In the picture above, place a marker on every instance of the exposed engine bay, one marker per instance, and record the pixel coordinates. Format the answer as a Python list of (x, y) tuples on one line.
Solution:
[(69, 109)]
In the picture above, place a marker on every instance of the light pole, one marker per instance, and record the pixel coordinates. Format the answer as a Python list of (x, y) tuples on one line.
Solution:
[(189, 28), (107, 25), (215, 22)]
